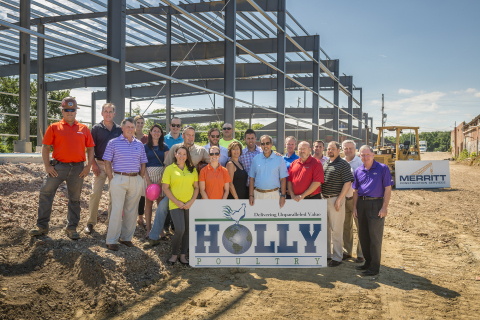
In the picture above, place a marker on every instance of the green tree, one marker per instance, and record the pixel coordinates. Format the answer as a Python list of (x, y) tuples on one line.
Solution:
[(10, 104), (436, 140)]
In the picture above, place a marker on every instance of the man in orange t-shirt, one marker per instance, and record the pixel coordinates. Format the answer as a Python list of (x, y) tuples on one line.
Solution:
[(69, 139), (214, 179)]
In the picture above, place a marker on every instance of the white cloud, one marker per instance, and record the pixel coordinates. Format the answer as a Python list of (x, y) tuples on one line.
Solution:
[(473, 91), (418, 104), (405, 91), (383, 56)]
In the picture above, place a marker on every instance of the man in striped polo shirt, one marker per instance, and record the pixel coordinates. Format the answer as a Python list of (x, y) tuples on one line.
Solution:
[(338, 180), (125, 161)]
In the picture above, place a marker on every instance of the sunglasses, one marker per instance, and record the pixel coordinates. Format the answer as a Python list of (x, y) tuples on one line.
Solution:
[(69, 110), (175, 125), (215, 136), (227, 128), (214, 153), (265, 143)]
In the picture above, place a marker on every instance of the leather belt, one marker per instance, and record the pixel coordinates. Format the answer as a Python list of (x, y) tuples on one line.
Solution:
[(131, 174), (328, 197), (349, 198), (370, 198), (313, 196), (265, 191)]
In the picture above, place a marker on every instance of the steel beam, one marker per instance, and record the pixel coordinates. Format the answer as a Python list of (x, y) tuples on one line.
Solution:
[(230, 60), (23, 144), (364, 135), (316, 88), (214, 71), (371, 131), (41, 89), (350, 106), (257, 84), (168, 71), (336, 111), (116, 28), (158, 53), (213, 6), (281, 54)]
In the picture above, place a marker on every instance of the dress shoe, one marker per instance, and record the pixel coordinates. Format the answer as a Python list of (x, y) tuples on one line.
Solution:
[(127, 243), (370, 273), (171, 263), (346, 256), (363, 267), (329, 259), (334, 263), (359, 260), (185, 263), (89, 228), (113, 247)]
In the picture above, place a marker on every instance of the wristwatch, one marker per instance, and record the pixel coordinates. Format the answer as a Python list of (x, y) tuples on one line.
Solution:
[(283, 195)]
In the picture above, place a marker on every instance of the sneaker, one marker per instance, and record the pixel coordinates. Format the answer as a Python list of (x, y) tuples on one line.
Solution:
[(72, 234), (38, 232), (151, 243)]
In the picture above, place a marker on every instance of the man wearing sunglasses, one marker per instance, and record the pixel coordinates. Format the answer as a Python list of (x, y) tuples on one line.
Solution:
[(69, 139), (267, 174), (213, 138), (227, 130), (174, 137)]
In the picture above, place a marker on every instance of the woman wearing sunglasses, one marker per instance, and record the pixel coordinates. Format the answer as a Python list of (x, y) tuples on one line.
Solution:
[(214, 179), (156, 151), (238, 175), (180, 184)]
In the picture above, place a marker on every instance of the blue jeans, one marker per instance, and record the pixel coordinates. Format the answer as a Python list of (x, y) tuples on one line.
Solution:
[(70, 174), (159, 220)]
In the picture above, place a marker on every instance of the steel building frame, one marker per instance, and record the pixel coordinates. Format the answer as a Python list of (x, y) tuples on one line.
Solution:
[(177, 48)]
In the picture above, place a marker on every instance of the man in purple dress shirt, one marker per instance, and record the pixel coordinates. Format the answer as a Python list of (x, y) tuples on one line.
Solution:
[(372, 190), (125, 161)]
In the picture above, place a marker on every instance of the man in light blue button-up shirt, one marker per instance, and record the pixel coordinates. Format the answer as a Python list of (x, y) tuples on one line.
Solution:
[(268, 174)]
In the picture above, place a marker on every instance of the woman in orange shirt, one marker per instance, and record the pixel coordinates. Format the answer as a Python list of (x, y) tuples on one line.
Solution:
[(214, 179)]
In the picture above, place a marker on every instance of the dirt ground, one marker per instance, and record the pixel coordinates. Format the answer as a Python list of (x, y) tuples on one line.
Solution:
[(430, 266)]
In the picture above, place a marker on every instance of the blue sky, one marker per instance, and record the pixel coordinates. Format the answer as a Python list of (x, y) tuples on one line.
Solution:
[(423, 55)]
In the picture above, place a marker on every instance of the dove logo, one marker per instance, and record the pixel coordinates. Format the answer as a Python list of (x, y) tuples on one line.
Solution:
[(237, 238)]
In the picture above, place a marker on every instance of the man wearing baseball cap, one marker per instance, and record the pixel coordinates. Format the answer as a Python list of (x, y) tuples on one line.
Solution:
[(69, 139)]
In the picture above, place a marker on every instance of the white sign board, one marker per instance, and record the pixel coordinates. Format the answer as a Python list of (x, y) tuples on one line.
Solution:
[(422, 174), (231, 233)]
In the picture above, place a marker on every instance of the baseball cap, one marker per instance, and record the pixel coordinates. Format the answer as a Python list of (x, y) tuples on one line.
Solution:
[(68, 103)]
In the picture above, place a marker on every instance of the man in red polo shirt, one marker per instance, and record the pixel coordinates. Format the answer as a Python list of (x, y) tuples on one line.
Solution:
[(305, 175), (69, 139)]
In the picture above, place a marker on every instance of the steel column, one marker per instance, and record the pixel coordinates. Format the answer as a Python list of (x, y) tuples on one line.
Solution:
[(360, 131), (316, 87), (41, 90), (94, 110), (336, 111), (168, 83), (350, 106), (23, 144), (281, 53), (116, 48), (371, 130), (364, 135), (230, 60)]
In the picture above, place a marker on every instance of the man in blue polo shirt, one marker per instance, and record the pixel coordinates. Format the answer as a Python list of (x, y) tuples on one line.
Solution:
[(267, 174), (372, 189), (174, 137), (290, 156)]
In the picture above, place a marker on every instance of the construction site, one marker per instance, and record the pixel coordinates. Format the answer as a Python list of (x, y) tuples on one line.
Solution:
[(158, 54)]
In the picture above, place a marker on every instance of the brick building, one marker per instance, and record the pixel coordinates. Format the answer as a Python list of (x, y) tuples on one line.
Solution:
[(466, 136)]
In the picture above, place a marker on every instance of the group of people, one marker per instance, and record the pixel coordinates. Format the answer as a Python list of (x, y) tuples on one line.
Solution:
[(357, 189)]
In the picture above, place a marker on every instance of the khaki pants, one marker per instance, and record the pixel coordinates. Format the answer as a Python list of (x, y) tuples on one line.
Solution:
[(267, 195), (335, 221), (125, 192), (348, 230), (97, 191)]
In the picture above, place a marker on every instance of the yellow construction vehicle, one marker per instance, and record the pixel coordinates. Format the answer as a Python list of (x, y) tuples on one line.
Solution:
[(388, 154)]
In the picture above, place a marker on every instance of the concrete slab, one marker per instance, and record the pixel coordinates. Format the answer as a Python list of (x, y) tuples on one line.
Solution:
[(21, 158)]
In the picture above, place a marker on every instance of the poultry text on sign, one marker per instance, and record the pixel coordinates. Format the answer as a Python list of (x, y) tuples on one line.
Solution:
[(231, 233)]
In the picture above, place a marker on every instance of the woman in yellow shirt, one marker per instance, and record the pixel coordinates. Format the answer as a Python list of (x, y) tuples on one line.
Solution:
[(180, 184)]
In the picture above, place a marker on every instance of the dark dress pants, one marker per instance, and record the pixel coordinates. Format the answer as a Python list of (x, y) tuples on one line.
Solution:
[(69, 173), (370, 231)]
